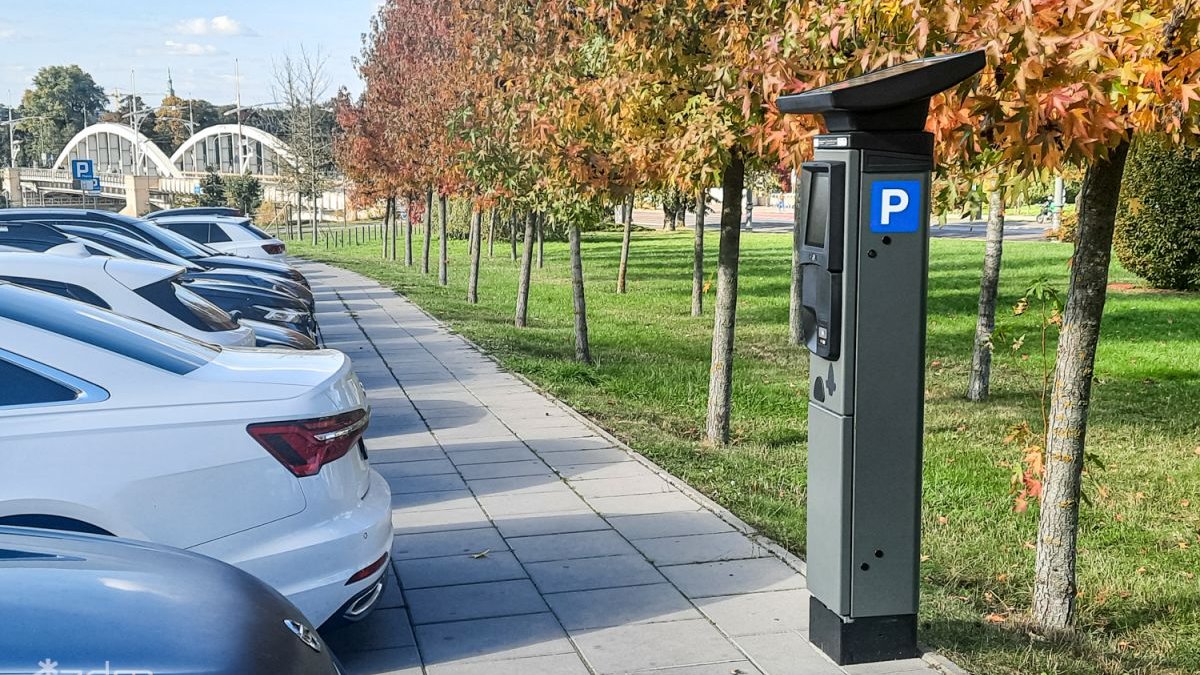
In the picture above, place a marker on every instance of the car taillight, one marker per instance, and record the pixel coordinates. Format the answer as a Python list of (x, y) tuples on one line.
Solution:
[(274, 249), (304, 446), (367, 571)]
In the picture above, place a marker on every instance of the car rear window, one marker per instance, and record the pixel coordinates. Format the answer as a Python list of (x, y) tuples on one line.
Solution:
[(66, 290), (127, 337), (186, 306), (254, 230)]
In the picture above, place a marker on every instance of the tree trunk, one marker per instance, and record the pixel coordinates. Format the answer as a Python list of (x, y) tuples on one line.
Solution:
[(512, 236), (428, 223), (681, 218), (443, 254), (526, 268), (408, 235), (627, 215), (981, 361), (698, 257), (314, 219), (475, 244), (492, 230), (795, 326), (541, 242), (387, 219), (1058, 524), (583, 352), (668, 219), (720, 383)]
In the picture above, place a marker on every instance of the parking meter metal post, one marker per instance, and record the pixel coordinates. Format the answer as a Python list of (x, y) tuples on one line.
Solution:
[(864, 220)]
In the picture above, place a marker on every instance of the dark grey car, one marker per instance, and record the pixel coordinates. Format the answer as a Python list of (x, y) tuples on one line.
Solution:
[(78, 602)]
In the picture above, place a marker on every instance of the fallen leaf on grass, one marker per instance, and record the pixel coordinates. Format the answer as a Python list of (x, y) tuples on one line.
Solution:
[(942, 520), (994, 618)]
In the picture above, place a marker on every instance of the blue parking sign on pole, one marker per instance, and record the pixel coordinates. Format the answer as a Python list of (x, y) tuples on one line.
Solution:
[(896, 205), (90, 186), (83, 169)]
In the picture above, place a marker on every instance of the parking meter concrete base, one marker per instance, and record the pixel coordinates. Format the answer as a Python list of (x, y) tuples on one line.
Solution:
[(864, 219)]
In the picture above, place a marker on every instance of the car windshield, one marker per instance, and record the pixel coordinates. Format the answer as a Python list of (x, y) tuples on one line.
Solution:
[(89, 325)]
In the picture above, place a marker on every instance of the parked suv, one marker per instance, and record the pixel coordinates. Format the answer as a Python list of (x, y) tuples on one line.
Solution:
[(234, 236)]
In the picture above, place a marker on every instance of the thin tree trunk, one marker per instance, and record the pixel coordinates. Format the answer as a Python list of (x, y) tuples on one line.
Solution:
[(387, 218), (428, 239), (443, 254), (495, 217), (681, 218), (795, 327), (1058, 524), (408, 235), (314, 220), (627, 215), (526, 268), (583, 352), (475, 245), (512, 236), (668, 219), (541, 242), (981, 362), (698, 257), (720, 383)]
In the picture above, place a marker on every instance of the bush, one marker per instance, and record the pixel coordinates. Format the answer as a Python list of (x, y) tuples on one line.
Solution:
[(1068, 224), (1158, 220)]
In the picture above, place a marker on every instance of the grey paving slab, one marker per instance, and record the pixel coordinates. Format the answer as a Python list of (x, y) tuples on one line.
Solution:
[(396, 661), (560, 444), (424, 467), (474, 601), (626, 485), (569, 546), (429, 483), (888, 667), (440, 544), (587, 573), (622, 469), (724, 668), (513, 485), (416, 520), (499, 506), (491, 456), (387, 628), (605, 607), (434, 501), (493, 639), (598, 456), (526, 467), (638, 647), (700, 548), (532, 524), (734, 576), (459, 569), (758, 613), (677, 524), (632, 505), (555, 664), (786, 654)]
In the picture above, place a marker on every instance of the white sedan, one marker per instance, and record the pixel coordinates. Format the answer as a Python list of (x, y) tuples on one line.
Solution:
[(143, 290), (227, 234), (253, 457)]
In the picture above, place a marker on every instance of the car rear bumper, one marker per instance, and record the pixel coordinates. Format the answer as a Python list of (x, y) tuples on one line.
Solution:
[(310, 558)]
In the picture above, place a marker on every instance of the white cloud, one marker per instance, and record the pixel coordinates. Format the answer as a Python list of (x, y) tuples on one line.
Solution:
[(190, 48), (218, 25)]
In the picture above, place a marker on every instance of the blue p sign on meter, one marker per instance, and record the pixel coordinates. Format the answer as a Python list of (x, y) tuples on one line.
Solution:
[(82, 169), (896, 206)]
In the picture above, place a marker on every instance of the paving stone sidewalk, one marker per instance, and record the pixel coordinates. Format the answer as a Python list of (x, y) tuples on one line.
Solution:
[(528, 542)]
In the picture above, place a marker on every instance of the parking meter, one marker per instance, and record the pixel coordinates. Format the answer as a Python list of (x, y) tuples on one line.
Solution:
[(864, 225)]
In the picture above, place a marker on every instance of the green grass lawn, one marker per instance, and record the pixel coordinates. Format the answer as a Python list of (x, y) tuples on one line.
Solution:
[(1139, 549)]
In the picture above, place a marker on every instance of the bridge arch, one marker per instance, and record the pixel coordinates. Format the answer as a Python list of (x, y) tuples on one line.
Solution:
[(217, 147), (112, 148)]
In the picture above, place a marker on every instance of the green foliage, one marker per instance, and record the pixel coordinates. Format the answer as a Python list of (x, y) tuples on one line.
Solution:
[(1158, 221), (212, 189), (243, 192), (63, 96)]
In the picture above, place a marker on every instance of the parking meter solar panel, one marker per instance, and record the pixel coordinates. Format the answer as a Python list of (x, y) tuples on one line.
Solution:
[(903, 91)]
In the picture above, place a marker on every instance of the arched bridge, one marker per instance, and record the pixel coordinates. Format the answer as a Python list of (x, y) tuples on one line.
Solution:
[(134, 170)]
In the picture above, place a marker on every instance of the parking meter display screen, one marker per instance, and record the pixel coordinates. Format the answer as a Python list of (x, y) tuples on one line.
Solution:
[(816, 223)]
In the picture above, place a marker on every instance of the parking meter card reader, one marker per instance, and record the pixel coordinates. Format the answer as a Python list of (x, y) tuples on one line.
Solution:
[(822, 211)]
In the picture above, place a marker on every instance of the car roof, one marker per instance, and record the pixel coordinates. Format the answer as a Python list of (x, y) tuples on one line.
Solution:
[(202, 218), (139, 605)]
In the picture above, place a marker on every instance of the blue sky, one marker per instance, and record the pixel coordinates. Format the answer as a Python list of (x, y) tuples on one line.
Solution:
[(198, 41)]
